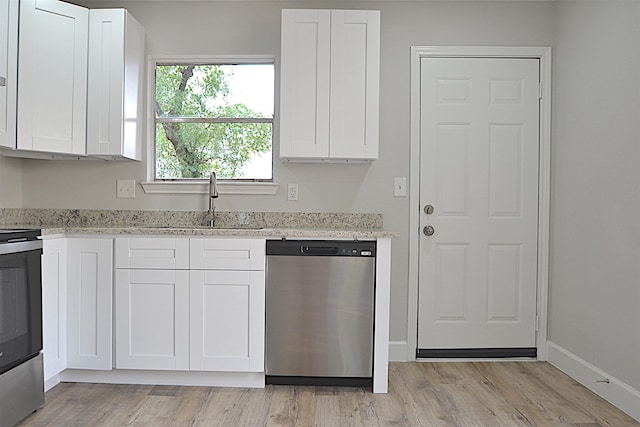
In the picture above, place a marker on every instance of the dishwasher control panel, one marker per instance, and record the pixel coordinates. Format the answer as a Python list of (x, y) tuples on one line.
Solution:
[(347, 248)]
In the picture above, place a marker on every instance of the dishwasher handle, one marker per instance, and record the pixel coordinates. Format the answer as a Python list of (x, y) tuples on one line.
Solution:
[(319, 250)]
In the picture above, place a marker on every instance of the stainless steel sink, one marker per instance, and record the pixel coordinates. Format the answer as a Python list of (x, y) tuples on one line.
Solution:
[(201, 227)]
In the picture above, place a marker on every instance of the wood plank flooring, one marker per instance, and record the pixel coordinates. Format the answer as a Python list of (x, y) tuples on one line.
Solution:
[(420, 394)]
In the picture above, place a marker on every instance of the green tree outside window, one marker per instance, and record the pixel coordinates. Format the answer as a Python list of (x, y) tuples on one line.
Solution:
[(203, 122)]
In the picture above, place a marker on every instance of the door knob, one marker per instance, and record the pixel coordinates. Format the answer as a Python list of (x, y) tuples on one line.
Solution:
[(428, 230), (428, 209)]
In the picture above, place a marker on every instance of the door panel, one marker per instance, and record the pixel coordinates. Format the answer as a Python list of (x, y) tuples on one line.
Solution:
[(479, 169)]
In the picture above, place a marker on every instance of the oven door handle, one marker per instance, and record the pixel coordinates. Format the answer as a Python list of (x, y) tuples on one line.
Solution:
[(17, 247)]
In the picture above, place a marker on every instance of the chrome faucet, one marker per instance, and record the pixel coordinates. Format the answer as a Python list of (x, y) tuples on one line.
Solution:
[(213, 194)]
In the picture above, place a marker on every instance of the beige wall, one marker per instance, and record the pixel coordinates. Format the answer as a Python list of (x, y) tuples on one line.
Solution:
[(595, 245), (254, 28), (10, 182)]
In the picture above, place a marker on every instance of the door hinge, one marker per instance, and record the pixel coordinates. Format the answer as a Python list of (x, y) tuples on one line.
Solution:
[(540, 90), (537, 323)]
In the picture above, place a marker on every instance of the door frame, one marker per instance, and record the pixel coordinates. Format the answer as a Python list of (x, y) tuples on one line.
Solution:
[(543, 54)]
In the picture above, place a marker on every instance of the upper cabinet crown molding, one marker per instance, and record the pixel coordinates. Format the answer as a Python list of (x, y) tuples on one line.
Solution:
[(330, 77)]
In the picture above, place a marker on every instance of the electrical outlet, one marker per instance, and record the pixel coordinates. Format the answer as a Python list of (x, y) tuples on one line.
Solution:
[(126, 188), (400, 187), (292, 192)]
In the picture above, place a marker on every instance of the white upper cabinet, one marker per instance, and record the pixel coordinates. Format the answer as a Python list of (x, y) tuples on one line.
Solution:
[(330, 76), (114, 110), (80, 84), (304, 83), (52, 87), (355, 84), (8, 71)]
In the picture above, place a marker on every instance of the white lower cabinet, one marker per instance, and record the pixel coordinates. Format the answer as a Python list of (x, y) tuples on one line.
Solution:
[(77, 288), (200, 318), (54, 306), (152, 319), (89, 302), (227, 321)]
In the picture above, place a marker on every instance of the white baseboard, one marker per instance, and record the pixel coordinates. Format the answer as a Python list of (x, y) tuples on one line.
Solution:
[(615, 391), (125, 376), (398, 351), (51, 382)]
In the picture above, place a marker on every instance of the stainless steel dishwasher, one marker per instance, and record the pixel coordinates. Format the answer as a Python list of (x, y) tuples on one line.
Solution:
[(320, 299)]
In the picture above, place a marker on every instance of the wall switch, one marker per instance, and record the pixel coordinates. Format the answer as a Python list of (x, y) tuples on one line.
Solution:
[(400, 187), (126, 188), (292, 192)]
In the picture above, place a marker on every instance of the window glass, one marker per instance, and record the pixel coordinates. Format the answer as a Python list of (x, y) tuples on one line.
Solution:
[(214, 117)]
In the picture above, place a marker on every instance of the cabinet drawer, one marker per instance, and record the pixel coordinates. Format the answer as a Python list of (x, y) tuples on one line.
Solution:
[(152, 253), (227, 254)]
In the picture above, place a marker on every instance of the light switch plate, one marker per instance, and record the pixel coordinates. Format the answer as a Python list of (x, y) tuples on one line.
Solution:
[(126, 188), (400, 187)]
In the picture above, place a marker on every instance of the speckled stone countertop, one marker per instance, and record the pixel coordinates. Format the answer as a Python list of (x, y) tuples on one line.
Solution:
[(190, 223)]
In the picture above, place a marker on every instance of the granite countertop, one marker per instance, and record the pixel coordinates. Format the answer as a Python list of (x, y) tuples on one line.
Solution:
[(54, 222), (223, 232)]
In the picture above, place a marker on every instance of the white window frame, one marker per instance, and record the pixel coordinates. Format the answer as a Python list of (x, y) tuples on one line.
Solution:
[(201, 186)]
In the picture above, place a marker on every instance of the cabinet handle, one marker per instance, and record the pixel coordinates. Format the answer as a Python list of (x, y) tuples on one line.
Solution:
[(3, 81)]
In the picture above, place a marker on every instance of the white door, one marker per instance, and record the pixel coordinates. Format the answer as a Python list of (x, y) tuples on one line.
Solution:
[(479, 171)]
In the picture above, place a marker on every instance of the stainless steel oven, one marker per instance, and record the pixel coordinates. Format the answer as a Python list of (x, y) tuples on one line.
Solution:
[(21, 379)]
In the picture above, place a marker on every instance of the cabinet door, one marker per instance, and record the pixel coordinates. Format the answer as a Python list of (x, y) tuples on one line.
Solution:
[(304, 83), (227, 254), (152, 319), (227, 321), (8, 71), (355, 81), (90, 293), (116, 55), (53, 76), (54, 306)]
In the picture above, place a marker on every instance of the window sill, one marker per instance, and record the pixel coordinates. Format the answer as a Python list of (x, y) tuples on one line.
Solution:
[(202, 187)]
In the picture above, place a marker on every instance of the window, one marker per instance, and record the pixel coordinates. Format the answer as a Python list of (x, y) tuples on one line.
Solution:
[(213, 116)]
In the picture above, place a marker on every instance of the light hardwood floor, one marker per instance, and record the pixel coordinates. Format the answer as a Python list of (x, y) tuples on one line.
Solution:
[(420, 394)]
